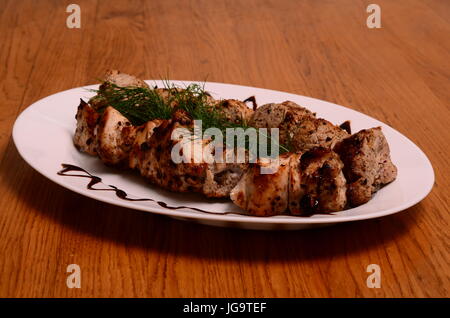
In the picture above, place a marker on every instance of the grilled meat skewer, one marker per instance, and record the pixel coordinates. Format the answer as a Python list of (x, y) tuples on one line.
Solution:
[(327, 169)]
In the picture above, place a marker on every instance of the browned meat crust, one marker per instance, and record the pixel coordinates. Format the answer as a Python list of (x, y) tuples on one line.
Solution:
[(123, 80), (234, 110), (322, 181), (367, 164), (85, 137), (269, 194), (154, 162), (299, 129), (115, 136), (285, 116), (143, 133), (153, 158), (303, 184), (316, 132)]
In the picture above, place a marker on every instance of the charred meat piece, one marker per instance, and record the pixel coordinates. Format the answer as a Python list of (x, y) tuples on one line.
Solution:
[(323, 183), (272, 193), (222, 177), (234, 110), (284, 116), (346, 125), (367, 164), (124, 80), (154, 159), (315, 132), (143, 133), (300, 130), (115, 136), (302, 185), (85, 137)]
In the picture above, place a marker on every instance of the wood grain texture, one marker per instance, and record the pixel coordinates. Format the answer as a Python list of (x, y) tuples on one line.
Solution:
[(399, 74)]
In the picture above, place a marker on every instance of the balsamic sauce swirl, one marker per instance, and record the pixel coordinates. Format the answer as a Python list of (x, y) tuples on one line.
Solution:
[(94, 180)]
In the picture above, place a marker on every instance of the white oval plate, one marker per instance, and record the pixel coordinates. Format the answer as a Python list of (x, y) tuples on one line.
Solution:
[(43, 136)]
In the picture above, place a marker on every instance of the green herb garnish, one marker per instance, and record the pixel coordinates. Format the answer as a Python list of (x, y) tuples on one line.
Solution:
[(141, 104)]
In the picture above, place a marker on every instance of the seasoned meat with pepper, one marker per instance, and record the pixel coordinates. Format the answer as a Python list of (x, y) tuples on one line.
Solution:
[(304, 184), (367, 164), (222, 177), (85, 137), (123, 80), (168, 94), (300, 130), (143, 133), (154, 161), (315, 132), (284, 116), (190, 173), (115, 136), (323, 183), (265, 194), (234, 110)]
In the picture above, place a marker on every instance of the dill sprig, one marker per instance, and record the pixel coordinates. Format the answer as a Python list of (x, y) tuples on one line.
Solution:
[(198, 103), (142, 104), (137, 104)]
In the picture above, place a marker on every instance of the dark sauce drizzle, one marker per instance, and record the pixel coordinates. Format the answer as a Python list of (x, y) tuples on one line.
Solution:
[(253, 100), (124, 196), (121, 193)]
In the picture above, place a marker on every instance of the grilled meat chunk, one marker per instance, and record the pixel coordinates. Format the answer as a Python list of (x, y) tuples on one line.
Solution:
[(167, 95), (315, 132), (154, 161), (323, 182), (300, 130), (270, 194), (85, 137), (115, 136), (222, 177), (153, 158), (367, 164), (234, 110), (143, 133), (124, 80), (284, 116), (302, 185)]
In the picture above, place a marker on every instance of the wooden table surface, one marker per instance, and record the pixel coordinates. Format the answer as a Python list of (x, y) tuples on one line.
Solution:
[(399, 74)]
